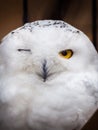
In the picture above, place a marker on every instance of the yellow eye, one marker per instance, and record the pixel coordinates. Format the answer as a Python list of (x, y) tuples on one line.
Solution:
[(66, 53)]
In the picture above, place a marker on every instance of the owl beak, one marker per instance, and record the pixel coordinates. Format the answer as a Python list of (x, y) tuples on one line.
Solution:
[(44, 71)]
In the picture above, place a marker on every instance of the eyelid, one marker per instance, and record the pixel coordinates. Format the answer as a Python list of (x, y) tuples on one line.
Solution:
[(24, 50)]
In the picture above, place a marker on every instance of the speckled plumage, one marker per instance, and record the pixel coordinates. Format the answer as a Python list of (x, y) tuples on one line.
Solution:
[(39, 89), (49, 23)]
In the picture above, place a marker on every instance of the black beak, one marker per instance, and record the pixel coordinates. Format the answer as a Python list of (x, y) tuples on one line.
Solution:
[(45, 71)]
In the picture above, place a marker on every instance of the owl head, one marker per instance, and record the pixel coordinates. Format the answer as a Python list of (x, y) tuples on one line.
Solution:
[(45, 48)]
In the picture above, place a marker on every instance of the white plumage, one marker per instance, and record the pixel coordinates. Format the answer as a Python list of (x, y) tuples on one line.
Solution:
[(39, 88)]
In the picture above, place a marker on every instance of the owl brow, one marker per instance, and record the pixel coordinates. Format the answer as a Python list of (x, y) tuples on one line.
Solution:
[(23, 49)]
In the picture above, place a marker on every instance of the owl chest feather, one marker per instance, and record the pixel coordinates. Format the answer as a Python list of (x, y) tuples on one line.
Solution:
[(56, 104)]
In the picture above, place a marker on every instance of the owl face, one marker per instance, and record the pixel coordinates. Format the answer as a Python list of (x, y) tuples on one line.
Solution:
[(46, 48)]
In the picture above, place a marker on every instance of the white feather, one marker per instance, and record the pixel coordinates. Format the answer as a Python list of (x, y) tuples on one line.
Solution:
[(69, 96)]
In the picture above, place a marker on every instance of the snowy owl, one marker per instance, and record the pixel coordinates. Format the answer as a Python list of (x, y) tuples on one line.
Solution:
[(48, 77)]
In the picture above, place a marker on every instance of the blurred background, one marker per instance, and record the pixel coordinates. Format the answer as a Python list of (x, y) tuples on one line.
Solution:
[(79, 13)]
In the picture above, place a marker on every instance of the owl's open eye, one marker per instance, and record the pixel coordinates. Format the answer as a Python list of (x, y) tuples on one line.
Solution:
[(66, 53), (28, 50)]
